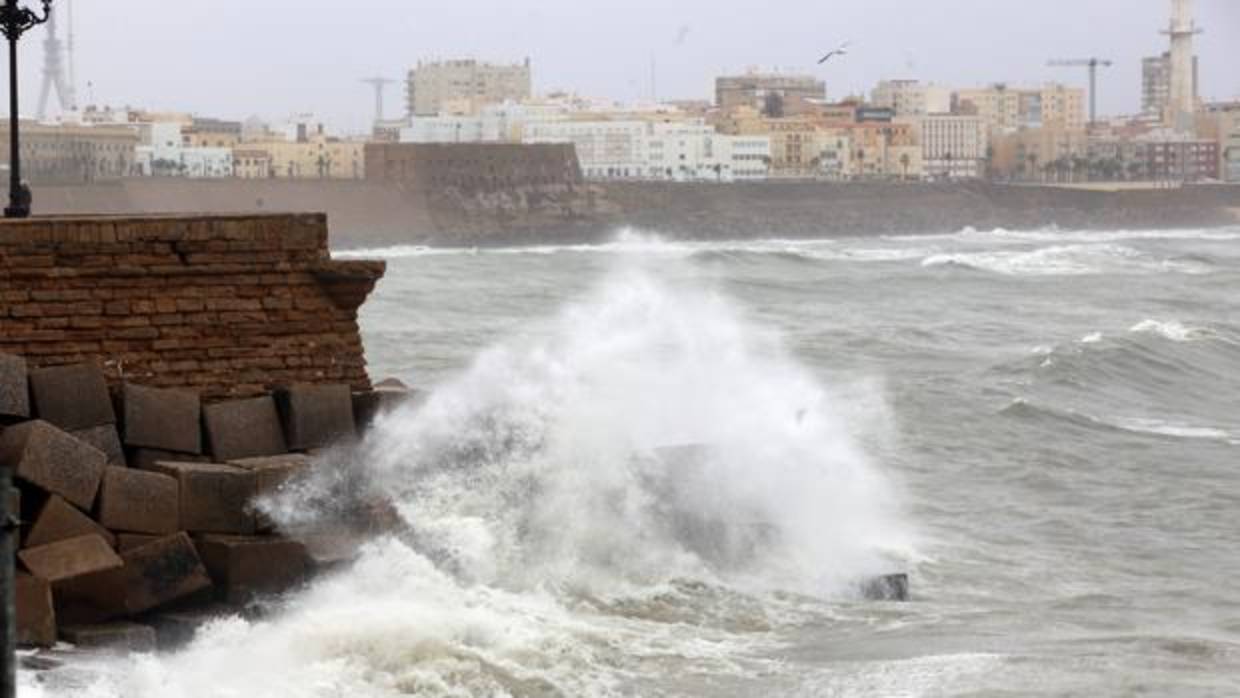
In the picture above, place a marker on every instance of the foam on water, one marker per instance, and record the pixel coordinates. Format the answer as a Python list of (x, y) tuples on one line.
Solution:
[(1170, 329), (553, 548), (1063, 260)]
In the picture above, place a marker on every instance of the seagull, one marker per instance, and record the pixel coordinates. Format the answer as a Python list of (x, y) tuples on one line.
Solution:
[(841, 51)]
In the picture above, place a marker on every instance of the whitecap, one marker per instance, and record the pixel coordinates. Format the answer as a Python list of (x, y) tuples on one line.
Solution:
[(1171, 329)]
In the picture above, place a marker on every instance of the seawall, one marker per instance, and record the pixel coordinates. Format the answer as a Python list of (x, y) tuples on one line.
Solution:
[(160, 377), (371, 214), (224, 305)]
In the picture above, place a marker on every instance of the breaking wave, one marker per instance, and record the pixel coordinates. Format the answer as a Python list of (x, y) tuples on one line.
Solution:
[(1065, 260), (639, 480)]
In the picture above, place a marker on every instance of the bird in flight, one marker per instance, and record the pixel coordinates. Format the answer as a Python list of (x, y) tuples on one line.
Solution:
[(841, 51)]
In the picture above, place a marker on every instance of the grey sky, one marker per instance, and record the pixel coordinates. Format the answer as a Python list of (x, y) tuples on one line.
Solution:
[(234, 58)]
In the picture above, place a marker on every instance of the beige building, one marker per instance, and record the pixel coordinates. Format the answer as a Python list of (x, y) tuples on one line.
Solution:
[(1029, 154), (316, 157), (953, 146), (71, 153), (756, 89), (464, 86), (912, 98), (211, 133), (252, 163), (1004, 109)]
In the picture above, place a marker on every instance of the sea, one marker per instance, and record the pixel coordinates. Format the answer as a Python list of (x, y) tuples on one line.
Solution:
[(662, 468)]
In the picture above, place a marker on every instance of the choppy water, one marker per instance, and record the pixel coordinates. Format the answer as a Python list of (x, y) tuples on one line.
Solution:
[(1042, 428)]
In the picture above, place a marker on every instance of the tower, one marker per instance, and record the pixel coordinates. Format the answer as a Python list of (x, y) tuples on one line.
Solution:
[(379, 84), (54, 77), (1183, 101)]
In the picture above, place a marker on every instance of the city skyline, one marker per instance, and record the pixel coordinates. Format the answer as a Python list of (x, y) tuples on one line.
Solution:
[(240, 60)]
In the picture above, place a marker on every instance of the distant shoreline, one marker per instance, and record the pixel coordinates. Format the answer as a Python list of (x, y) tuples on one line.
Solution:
[(368, 215)]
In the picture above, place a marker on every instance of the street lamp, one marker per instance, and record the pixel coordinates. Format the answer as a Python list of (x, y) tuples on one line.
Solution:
[(15, 21)]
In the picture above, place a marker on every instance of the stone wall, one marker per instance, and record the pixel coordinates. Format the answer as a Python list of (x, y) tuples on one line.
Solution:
[(224, 305), (473, 167)]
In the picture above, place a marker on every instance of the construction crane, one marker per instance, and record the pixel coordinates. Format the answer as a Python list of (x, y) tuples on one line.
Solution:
[(378, 84), (1093, 64)]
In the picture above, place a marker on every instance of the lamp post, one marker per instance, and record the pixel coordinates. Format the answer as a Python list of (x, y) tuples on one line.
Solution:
[(15, 21)]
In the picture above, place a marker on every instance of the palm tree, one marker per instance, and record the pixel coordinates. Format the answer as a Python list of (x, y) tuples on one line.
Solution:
[(1033, 164)]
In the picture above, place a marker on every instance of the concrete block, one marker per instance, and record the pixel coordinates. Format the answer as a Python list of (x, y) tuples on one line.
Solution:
[(244, 429), (146, 458), (270, 475), (243, 567), (315, 416), (161, 418), (162, 572), (71, 397), (213, 498), (119, 636), (139, 501), (68, 559), (58, 520), (386, 396), (36, 615), (53, 461), (106, 439), (330, 550), (128, 541), (14, 389), (158, 574)]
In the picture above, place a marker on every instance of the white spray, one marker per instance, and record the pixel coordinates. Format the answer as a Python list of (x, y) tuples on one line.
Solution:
[(546, 516)]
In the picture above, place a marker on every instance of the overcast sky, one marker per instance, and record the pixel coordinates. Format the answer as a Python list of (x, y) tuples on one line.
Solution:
[(236, 58)]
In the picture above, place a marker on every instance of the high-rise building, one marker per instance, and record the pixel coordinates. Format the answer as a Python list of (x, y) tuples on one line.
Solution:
[(466, 85), (1156, 84), (763, 90)]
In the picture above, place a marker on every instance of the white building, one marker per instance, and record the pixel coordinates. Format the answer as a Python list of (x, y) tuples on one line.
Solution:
[(450, 129), (678, 150), (163, 153), (953, 147), (605, 149), (502, 123)]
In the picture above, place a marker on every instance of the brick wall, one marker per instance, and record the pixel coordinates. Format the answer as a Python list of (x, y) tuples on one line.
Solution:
[(226, 305)]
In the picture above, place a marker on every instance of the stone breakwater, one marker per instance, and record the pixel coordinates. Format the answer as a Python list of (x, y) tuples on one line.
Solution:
[(138, 505), (160, 377)]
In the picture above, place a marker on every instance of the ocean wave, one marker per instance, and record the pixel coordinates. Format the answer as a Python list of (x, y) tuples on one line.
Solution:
[(1052, 234), (1148, 426), (1172, 330), (1063, 260)]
